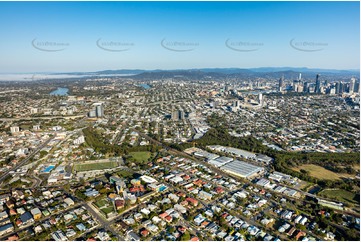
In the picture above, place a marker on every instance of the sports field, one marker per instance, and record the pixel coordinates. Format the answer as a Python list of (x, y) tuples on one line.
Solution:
[(95, 166), (141, 156)]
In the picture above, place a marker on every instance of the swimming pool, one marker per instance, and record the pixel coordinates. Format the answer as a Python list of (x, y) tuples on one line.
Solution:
[(162, 188), (48, 169)]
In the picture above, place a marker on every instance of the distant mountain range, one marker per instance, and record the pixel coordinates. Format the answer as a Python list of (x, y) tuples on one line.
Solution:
[(204, 74), (221, 73), (218, 70)]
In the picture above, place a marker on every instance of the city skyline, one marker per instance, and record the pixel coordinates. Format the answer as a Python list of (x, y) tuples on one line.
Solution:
[(67, 37)]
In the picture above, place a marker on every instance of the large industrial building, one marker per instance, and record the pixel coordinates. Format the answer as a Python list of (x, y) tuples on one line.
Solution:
[(220, 161), (233, 151), (242, 169)]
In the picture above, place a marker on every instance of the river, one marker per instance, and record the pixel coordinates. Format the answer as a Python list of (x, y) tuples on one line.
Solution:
[(61, 91), (145, 86)]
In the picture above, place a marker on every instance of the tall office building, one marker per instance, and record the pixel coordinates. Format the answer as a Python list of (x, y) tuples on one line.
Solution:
[(280, 84), (357, 86), (175, 115), (181, 115), (337, 87), (260, 99), (99, 111), (297, 86), (342, 88), (352, 85), (318, 84), (236, 103), (305, 87), (14, 129), (300, 76)]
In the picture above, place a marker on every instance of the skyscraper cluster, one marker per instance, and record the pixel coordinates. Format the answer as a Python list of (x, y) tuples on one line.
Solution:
[(319, 86), (177, 115), (98, 112)]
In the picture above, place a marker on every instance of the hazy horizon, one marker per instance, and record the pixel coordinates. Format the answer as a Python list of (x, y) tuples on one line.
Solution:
[(173, 69)]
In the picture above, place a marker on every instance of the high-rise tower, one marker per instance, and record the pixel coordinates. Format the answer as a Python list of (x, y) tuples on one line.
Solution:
[(318, 84), (280, 84)]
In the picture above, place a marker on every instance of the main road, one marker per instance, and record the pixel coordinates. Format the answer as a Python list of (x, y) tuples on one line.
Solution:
[(23, 162), (103, 222)]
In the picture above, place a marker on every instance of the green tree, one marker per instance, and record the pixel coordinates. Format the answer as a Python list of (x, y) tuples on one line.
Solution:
[(43, 153), (171, 229), (186, 236)]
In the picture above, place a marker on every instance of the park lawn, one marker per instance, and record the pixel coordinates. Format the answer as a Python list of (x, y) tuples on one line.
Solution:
[(101, 203), (125, 173), (96, 166), (107, 210), (318, 172), (339, 195), (141, 156)]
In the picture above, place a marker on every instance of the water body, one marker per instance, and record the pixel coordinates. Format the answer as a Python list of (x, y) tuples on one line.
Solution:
[(314, 189), (48, 169), (145, 86), (49, 76), (61, 91)]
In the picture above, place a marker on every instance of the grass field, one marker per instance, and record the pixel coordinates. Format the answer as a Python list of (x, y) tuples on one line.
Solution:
[(125, 173), (107, 210), (141, 156), (340, 195), (318, 172), (95, 166), (100, 203)]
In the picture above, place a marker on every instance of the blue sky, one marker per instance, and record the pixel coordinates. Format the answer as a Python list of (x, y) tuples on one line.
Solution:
[(201, 28)]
